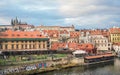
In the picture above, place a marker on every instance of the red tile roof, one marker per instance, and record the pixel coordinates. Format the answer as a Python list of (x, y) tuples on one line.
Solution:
[(73, 46), (114, 30), (96, 32), (98, 56), (21, 34), (74, 34), (52, 33)]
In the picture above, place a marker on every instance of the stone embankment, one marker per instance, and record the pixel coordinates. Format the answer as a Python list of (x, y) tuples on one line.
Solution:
[(44, 66)]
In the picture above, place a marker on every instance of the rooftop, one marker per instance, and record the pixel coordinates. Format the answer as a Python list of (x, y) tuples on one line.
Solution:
[(21, 34)]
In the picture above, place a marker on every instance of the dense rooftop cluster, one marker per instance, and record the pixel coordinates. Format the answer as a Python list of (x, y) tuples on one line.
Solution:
[(64, 37)]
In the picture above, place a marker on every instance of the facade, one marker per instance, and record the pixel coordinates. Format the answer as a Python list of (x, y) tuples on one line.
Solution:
[(17, 25), (84, 36), (47, 27), (59, 28), (102, 43), (68, 28), (23, 40), (100, 40), (53, 35), (5, 27), (74, 46), (23, 27), (114, 34), (74, 37)]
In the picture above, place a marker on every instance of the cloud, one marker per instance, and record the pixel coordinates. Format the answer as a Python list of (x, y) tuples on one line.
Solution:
[(4, 21), (82, 13), (86, 7)]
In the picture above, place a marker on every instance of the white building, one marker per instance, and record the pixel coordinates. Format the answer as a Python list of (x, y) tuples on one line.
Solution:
[(116, 47), (101, 42), (84, 37)]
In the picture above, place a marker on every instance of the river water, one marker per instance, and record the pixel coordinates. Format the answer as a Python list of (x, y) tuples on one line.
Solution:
[(109, 68)]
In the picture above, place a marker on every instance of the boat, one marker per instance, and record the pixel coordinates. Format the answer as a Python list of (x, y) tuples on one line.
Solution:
[(99, 58)]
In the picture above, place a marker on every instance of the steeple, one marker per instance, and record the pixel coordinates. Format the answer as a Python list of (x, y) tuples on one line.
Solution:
[(17, 22)]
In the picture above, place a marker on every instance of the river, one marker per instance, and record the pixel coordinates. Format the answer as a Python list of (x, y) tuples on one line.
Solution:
[(109, 68)]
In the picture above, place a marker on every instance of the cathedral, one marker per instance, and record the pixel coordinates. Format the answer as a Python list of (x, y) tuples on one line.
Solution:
[(15, 22)]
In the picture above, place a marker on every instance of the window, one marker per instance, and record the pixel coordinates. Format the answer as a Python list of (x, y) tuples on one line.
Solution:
[(25, 41), (101, 41), (113, 38), (6, 35), (6, 46), (22, 41), (6, 41), (39, 46), (30, 46), (33, 46), (12, 41), (16, 41), (0, 46), (26, 46), (43, 45), (17, 46), (25, 35), (13, 35), (12, 46), (22, 46), (18, 34)]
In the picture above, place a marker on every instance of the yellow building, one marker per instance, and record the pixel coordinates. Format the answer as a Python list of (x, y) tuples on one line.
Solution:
[(114, 35), (23, 40)]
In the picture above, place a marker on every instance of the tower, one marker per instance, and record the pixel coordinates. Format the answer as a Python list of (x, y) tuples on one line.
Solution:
[(14, 22)]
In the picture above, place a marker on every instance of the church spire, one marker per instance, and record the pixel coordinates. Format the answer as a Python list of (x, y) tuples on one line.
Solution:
[(16, 21)]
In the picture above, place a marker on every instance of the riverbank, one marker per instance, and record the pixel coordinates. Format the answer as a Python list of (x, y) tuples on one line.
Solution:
[(47, 69), (46, 66), (38, 67)]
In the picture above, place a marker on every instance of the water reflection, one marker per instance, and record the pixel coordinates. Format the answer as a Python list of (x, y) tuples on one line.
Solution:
[(109, 68)]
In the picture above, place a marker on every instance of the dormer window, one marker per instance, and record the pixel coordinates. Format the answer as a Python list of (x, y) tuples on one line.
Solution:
[(25, 35), (87, 46), (18, 35), (40, 35), (13, 35), (6, 35)]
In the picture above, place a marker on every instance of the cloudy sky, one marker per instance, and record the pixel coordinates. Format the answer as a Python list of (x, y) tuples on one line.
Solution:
[(80, 13)]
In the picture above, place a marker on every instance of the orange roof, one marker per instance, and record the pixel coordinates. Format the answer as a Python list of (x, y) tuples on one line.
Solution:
[(96, 32), (114, 30), (106, 55), (74, 34), (86, 46), (56, 45), (52, 33), (73, 46), (93, 57), (98, 56), (21, 34)]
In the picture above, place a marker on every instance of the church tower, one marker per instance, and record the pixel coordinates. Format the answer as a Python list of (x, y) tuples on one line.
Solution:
[(14, 22)]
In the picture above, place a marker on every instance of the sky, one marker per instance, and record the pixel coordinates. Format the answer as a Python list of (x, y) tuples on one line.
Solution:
[(83, 14)]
